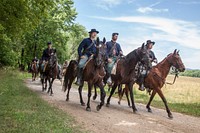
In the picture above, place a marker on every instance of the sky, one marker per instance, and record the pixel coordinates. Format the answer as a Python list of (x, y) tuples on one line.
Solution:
[(172, 24)]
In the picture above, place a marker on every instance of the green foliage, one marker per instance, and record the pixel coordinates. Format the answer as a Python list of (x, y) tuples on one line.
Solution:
[(191, 73), (24, 111), (30, 24)]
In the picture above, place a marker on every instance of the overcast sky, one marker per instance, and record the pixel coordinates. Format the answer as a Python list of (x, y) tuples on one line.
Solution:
[(172, 24)]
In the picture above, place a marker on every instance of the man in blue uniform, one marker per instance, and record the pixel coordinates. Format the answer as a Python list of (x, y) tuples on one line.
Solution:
[(152, 57), (47, 52), (113, 52), (86, 48)]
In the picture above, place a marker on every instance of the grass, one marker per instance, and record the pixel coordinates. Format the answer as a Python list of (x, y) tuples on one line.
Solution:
[(21, 110)]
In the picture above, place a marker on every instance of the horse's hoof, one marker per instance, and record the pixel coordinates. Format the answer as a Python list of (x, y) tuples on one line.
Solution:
[(170, 116), (119, 102), (98, 107), (129, 106), (134, 110), (94, 97), (108, 105), (149, 110), (51, 94), (67, 99), (88, 109), (82, 104)]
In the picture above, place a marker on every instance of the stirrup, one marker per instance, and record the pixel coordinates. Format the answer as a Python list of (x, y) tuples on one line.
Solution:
[(141, 87)]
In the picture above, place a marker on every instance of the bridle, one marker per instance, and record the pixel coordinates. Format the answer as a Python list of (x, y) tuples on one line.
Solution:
[(175, 71), (101, 54)]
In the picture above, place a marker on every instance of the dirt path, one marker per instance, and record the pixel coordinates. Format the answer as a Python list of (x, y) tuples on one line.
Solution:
[(117, 118)]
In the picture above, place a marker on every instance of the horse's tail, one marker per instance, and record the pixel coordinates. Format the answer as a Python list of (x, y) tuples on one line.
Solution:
[(70, 73)]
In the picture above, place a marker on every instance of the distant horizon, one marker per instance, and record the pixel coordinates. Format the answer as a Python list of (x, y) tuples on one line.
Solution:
[(171, 24)]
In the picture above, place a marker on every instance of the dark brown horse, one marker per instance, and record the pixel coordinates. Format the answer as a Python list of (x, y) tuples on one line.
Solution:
[(93, 74), (34, 70), (157, 76), (125, 71), (50, 73)]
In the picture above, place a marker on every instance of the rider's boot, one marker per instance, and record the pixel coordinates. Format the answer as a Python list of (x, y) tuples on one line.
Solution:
[(79, 77)]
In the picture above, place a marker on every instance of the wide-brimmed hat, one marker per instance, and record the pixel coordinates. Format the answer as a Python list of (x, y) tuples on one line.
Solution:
[(49, 43), (113, 34), (149, 41), (93, 30)]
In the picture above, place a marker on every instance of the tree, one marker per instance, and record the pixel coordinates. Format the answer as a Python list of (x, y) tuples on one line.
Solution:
[(30, 24)]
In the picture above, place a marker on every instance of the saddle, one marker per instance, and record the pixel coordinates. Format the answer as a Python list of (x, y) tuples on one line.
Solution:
[(91, 57)]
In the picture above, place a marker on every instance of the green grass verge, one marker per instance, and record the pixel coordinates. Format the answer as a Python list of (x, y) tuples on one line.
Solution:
[(23, 111)]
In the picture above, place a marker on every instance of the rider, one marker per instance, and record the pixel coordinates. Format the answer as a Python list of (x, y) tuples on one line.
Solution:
[(64, 68), (85, 50), (152, 58), (113, 52), (35, 60), (47, 52), (45, 57)]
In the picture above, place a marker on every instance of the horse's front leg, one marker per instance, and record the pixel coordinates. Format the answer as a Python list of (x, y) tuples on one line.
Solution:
[(51, 84), (130, 86), (111, 93), (69, 87), (165, 102), (103, 95), (120, 94), (90, 85), (32, 76), (42, 80), (49, 80), (151, 98), (95, 92), (127, 97), (80, 95)]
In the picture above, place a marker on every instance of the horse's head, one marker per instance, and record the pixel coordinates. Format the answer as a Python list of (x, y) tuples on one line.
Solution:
[(175, 60), (52, 59), (143, 55), (101, 51)]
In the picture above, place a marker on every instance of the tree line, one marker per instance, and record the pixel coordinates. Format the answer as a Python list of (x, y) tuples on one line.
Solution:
[(27, 25), (191, 73)]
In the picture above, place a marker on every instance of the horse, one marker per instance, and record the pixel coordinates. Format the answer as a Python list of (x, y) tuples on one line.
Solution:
[(34, 70), (93, 74), (125, 71), (156, 78), (69, 76), (50, 73)]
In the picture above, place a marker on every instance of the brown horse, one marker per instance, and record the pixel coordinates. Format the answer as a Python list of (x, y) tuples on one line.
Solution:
[(34, 70), (156, 78), (125, 71), (93, 74), (50, 73)]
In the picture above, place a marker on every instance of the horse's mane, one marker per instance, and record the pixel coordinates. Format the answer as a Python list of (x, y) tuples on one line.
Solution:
[(130, 56), (160, 63)]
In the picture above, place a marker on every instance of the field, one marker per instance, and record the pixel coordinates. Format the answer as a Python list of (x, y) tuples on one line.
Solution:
[(21, 110), (183, 96)]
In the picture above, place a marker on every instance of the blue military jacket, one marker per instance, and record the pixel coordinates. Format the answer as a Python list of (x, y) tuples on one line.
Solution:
[(152, 56), (109, 46), (82, 49), (46, 53)]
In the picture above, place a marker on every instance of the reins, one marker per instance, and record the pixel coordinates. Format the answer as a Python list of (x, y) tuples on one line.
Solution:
[(175, 77)]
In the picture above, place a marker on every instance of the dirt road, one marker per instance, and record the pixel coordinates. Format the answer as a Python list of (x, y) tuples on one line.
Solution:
[(117, 118)]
